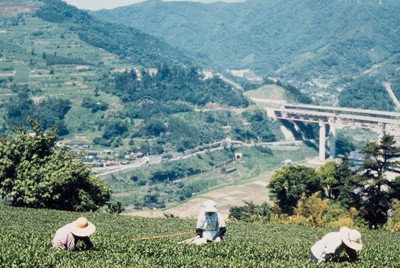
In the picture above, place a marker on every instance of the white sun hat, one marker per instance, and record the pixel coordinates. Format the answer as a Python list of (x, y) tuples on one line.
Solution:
[(82, 227), (209, 206), (351, 238)]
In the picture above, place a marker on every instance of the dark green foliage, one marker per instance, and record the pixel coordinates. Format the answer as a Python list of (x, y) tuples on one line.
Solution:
[(260, 126), (290, 182), (114, 129), (94, 105), (19, 108), (48, 112), (378, 160), (51, 112), (35, 173), (366, 93), (368, 190), (172, 84), (344, 145), (57, 60), (154, 127), (251, 212), (344, 187), (115, 207), (340, 182)]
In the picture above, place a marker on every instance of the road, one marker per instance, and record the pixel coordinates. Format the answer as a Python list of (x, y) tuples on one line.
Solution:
[(157, 159), (391, 93)]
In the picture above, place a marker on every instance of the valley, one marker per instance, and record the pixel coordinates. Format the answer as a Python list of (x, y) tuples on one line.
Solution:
[(155, 123)]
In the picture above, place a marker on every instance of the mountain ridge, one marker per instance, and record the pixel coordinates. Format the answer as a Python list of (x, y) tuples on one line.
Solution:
[(278, 38)]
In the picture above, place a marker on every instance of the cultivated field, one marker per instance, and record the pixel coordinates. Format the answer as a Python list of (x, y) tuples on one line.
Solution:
[(226, 197), (123, 241)]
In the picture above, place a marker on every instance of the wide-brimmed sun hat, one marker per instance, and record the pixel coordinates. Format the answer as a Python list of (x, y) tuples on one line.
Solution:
[(351, 238), (209, 206), (82, 227)]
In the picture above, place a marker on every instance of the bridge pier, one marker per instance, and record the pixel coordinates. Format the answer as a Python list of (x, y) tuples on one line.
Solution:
[(332, 139), (322, 140)]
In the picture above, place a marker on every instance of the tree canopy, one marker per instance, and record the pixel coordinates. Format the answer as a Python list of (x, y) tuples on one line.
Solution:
[(36, 173), (369, 191), (289, 183), (379, 159)]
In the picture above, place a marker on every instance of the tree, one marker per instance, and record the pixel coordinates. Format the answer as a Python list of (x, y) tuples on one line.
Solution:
[(376, 200), (335, 177), (327, 173), (38, 174), (251, 212), (349, 186), (344, 144), (312, 209), (289, 183), (155, 127), (114, 129)]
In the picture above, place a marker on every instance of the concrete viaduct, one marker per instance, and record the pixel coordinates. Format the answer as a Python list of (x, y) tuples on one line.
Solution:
[(337, 117)]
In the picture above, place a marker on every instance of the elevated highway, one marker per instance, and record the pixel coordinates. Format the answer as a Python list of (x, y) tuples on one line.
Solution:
[(338, 117)]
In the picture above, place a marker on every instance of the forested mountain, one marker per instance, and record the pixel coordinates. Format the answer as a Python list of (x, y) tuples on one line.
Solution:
[(112, 85), (299, 40)]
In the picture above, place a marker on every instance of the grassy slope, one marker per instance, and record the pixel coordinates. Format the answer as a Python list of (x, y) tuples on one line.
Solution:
[(26, 238)]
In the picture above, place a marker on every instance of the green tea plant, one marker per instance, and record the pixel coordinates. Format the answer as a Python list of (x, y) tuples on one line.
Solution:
[(25, 238)]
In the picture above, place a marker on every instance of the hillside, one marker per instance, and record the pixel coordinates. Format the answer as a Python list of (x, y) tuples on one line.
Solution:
[(26, 235), (124, 100), (294, 40), (115, 92), (102, 83)]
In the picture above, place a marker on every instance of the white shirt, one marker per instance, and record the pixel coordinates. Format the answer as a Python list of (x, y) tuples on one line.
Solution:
[(330, 243), (210, 224), (63, 238)]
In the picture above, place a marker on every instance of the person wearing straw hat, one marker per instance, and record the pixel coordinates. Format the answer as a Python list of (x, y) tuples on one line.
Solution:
[(79, 230), (332, 244), (210, 225)]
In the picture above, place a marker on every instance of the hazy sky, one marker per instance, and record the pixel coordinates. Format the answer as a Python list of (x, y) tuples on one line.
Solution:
[(108, 4)]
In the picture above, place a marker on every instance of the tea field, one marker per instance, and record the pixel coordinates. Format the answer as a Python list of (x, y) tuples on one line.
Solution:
[(25, 241)]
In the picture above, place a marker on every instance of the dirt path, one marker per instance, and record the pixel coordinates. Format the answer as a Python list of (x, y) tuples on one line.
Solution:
[(391, 93)]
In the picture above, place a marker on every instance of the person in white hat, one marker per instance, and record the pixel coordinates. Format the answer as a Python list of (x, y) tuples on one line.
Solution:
[(332, 244), (79, 230), (210, 225)]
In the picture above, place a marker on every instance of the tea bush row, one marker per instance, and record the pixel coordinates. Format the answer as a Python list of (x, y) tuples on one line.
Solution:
[(25, 241)]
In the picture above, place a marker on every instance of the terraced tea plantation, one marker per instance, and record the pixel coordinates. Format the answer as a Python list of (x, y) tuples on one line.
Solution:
[(25, 237)]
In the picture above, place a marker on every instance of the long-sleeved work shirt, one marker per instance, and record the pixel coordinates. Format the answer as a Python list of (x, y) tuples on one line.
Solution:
[(210, 225), (330, 247), (64, 239)]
